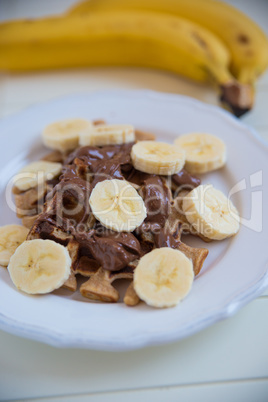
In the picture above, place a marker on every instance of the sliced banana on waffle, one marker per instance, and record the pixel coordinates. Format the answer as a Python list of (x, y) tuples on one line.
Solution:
[(157, 157), (107, 134), (117, 205), (36, 173), (11, 237), (204, 152), (211, 213), (39, 266), (64, 135), (163, 277)]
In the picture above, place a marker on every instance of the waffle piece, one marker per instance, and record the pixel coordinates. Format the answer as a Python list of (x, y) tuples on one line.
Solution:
[(99, 286), (144, 136), (30, 202), (171, 237), (131, 298), (71, 283), (197, 255), (55, 156), (28, 221), (43, 229)]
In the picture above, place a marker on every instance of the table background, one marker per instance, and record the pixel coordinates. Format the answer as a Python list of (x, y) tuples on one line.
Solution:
[(228, 361)]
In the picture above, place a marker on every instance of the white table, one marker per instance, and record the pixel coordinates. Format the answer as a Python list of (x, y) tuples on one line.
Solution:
[(226, 362)]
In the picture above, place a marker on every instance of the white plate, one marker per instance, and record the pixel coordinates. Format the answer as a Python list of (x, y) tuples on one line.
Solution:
[(235, 271)]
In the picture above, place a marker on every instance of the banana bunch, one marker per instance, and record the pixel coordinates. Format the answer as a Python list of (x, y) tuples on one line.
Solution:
[(202, 40), (244, 39)]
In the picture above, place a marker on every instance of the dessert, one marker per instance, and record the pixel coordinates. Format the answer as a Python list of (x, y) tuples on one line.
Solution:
[(119, 212)]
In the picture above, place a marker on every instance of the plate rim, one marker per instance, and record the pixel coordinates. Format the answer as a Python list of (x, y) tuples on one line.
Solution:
[(43, 334)]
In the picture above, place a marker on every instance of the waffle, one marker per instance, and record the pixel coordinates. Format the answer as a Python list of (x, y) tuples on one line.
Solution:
[(30, 203), (48, 217)]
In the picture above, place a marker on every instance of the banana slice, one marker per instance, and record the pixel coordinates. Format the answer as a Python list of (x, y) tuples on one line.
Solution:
[(163, 277), (11, 236), (107, 134), (64, 135), (36, 173), (204, 152), (117, 205), (211, 213), (157, 157), (39, 266)]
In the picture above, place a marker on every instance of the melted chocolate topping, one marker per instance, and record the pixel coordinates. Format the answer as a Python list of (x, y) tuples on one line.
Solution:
[(67, 207), (112, 250), (157, 198), (164, 238), (183, 178)]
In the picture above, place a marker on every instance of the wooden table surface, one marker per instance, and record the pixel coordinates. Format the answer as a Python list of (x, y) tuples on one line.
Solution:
[(226, 362)]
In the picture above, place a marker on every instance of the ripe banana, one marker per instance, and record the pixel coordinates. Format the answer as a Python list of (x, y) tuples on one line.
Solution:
[(163, 277), (107, 134), (36, 173), (204, 152), (11, 236), (211, 213), (157, 157), (64, 135), (39, 266), (246, 41), (127, 38), (117, 205)]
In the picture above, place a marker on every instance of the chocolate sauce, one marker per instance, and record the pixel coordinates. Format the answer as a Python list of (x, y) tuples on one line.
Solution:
[(112, 250), (157, 198), (163, 238), (183, 178), (103, 163), (67, 208)]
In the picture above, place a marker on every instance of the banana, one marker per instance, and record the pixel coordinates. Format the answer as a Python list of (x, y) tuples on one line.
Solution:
[(117, 205), (64, 135), (246, 41), (11, 236), (36, 173), (211, 213), (123, 38), (163, 277), (107, 134), (204, 152), (39, 266), (157, 157)]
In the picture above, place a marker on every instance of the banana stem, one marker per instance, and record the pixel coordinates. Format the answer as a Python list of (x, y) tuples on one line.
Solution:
[(239, 98), (236, 96)]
